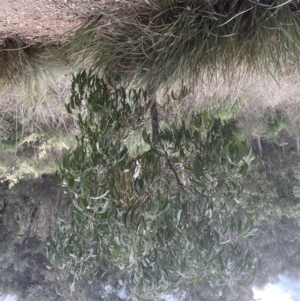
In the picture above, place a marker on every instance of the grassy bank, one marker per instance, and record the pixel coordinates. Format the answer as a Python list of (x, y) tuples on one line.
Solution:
[(238, 59), (157, 43), (34, 126)]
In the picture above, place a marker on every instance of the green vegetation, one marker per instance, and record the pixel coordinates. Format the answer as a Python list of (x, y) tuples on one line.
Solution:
[(156, 183), (35, 129), (31, 156), (164, 215)]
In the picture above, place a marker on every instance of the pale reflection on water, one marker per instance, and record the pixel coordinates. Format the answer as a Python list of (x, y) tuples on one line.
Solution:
[(284, 290), (10, 298)]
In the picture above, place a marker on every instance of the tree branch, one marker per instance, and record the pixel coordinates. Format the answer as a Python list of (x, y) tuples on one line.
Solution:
[(154, 120), (175, 174)]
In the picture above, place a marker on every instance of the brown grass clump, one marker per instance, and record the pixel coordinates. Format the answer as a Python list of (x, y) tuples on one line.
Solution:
[(162, 41)]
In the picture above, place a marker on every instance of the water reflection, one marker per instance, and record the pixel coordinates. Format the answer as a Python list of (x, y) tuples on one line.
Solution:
[(9, 298), (284, 290), (271, 196)]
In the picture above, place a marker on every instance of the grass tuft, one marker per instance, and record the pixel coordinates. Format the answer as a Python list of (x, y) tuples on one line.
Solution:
[(19, 59), (34, 85), (166, 40)]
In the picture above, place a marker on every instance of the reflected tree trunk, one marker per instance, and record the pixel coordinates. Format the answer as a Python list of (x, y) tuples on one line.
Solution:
[(259, 144), (154, 120)]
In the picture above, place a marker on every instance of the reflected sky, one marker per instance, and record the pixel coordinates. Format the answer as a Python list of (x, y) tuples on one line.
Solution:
[(284, 290), (10, 298)]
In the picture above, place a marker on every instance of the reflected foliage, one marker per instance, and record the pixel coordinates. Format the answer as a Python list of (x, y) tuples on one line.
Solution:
[(271, 190), (275, 204), (278, 247), (270, 196), (166, 212)]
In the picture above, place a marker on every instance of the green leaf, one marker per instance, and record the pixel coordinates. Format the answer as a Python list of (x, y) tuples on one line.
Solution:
[(178, 216), (161, 235), (75, 202), (105, 207)]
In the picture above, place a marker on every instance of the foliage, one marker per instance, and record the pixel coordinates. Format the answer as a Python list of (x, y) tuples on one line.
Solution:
[(164, 215), (277, 244), (32, 96), (30, 156), (202, 291), (270, 191), (166, 40), (13, 176)]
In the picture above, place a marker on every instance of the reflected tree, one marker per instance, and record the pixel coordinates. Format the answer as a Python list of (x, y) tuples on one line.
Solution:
[(271, 190), (164, 210), (271, 197), (278, 245)]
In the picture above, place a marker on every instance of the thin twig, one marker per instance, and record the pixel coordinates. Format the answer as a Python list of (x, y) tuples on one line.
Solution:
[(175, 174), (58, 204), (18, 48)]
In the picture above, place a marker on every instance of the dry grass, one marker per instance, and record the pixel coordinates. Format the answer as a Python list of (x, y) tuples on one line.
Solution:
[(252, 92), (33, 120), (251, 100), (162, 41), (38, 100)]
